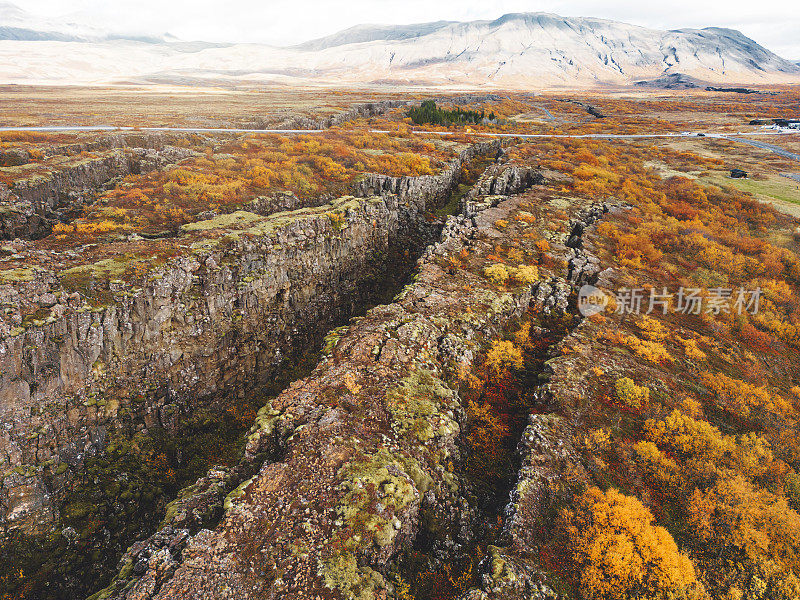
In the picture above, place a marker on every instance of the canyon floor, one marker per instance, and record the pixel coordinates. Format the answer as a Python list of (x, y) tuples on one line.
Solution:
[(347, 355)]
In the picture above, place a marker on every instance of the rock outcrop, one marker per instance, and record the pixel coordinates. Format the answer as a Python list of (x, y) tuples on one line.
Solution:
[(33, 205), (377, 412), (222, 316), (506, 179), (358, 452), (551, 468), (366, 110), (410, 187)]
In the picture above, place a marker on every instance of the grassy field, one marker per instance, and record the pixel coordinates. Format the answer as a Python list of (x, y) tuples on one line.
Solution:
[(781, 192)]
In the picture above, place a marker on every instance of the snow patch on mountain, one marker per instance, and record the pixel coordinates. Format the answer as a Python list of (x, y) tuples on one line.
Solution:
[(516, 51)]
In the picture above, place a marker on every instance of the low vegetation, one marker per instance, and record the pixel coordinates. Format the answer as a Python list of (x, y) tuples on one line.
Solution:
[(229, 175), (688, 419)]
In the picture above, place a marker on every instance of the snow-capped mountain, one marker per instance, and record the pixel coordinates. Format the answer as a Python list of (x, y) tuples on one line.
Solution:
[(524, 50), (530, 47), (19, 25)]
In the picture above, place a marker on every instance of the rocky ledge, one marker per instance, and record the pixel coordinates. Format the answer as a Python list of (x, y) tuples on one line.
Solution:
[(31, 205), (86, 349), (362, 455)]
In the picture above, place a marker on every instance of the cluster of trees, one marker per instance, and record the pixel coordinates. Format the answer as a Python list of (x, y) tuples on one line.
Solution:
[(428, 113), (543, 113)]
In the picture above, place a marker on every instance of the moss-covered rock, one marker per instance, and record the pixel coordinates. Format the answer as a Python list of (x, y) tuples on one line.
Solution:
[(417, 403), (332, 339), (342, 573), (378, 488), (237, 493)]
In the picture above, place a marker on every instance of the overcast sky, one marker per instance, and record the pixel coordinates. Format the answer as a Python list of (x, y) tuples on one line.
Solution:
[(772, 23)]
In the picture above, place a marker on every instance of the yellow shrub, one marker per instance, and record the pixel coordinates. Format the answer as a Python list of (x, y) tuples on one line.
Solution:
[(652, 352), (651, 329), (503, 356), (526, 275), (741, 397), (497, 274), (691, 349), (617, 552), (631, 394)]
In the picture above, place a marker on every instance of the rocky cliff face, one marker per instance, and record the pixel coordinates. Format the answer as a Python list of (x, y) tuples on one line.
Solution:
[(328, 429), (359, 454), (220, 317), (551, 467), (410, 187), (31, 206), (506, 179)]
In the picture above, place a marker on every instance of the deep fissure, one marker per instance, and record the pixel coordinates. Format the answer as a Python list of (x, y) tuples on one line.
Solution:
[(443, 565), (124, 489)]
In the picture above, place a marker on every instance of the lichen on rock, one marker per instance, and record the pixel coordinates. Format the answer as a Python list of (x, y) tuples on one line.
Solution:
[(417, 404)]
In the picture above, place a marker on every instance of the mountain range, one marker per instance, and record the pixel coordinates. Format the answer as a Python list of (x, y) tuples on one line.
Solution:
[(521, 50), (19, 25)]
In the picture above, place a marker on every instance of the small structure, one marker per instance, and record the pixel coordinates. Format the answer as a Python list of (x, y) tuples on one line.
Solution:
[(790, 123), (738, 173)]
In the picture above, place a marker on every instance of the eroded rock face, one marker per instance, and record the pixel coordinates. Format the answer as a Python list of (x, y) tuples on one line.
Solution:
[(37, 203), (221, 317), (551, 468), (203, 324), (412, 187), (376, 413), (361, 457), (507, 179)]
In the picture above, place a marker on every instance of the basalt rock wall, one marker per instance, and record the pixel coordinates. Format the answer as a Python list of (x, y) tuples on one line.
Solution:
[(35, 204), (215, 319)]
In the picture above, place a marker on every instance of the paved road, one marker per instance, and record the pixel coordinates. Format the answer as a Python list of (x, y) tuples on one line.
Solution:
[(776, 149), (81, 128), (608, 136)]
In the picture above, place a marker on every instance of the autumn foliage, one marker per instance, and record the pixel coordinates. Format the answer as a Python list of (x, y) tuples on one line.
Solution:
[(694, 416), (226, 177), (616, 552)]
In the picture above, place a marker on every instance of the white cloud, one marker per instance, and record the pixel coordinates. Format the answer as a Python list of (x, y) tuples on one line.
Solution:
[(772, 23)]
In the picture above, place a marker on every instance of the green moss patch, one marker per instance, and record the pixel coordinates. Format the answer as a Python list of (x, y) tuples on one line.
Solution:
[(332, 339), (378, 487), (355, 583), (235, 220), (16, 275), (416, 403)]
